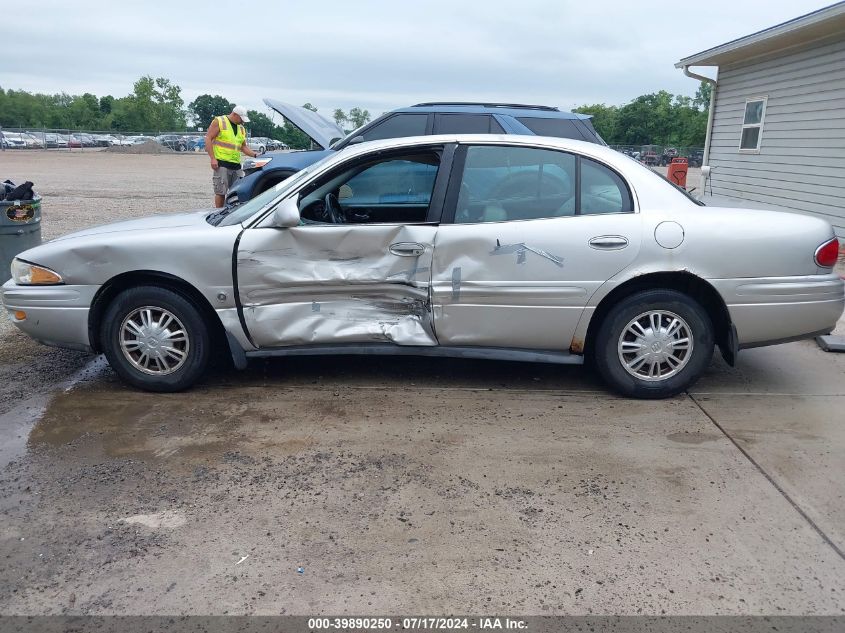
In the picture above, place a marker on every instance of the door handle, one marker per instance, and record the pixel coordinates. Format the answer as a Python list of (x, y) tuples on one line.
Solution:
[(407, 249), (609, 242)]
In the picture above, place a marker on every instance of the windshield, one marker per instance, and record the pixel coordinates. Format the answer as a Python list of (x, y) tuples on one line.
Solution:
[(242, 212)]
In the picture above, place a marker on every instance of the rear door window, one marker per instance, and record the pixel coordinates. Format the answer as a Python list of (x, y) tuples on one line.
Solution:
[(501, 184), (560, 128), (507, 183), (465, 124), (398, 126), (602, 190)]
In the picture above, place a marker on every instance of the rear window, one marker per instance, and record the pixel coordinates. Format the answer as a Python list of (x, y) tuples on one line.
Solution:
[(561, 128)]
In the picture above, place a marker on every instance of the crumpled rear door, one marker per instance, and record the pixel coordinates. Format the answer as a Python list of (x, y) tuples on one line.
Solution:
[(327, 284)]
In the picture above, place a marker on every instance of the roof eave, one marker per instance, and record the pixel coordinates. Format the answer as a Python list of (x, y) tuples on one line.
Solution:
[(817, 25)]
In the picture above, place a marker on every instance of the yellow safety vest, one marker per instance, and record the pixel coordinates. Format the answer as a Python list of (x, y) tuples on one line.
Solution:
[(227, 144)]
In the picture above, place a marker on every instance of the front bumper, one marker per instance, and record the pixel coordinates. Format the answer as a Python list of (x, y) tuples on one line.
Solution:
[(55, 315), (776, 309)]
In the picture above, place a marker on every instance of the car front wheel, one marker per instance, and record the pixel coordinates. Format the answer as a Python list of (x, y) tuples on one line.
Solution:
[(155, 339), (654, 344)]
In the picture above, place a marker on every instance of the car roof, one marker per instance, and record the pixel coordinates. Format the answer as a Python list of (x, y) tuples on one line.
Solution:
[(508, 109), (602, 153), (582, 147)]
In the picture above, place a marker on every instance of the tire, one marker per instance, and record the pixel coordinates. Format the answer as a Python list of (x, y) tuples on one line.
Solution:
[(652, 373), (123, 344)]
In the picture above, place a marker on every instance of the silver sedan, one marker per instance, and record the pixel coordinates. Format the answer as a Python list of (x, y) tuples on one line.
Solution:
[(508, 247)]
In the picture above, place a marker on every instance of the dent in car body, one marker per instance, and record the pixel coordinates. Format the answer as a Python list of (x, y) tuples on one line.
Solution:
[(336, 283), (505, 283)]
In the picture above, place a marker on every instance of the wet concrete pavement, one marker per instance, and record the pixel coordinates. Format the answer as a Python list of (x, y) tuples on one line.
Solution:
[(431, 486)]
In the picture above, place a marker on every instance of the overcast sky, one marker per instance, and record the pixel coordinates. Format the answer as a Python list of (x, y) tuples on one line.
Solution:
[(377, 55)]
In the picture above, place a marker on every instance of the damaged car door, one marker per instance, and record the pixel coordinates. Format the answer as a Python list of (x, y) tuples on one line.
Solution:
[(358, 267), (533, 233)]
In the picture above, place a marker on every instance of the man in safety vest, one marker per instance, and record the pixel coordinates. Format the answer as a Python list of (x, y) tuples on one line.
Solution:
[(224, 142)]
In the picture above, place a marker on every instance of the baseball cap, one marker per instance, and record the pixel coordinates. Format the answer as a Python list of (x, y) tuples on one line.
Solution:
[(241, 112)]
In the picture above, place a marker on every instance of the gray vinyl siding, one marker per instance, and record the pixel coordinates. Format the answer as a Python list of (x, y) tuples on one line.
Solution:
[(801, 163)]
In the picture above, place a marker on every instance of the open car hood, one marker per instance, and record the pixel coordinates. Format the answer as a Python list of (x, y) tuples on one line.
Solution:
[(321, 130)]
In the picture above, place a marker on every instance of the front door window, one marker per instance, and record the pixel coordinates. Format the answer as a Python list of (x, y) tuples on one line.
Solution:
[(390, 190)]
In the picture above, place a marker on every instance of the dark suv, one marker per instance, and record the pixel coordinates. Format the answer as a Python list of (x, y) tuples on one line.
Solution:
[(422, 119)]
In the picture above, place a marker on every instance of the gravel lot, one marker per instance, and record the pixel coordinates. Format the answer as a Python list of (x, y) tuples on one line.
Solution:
[(403, 485), (82, 189)]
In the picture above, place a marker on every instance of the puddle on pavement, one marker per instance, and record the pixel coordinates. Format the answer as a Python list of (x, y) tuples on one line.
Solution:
[(118, 422), (16, 424), (199, 426)]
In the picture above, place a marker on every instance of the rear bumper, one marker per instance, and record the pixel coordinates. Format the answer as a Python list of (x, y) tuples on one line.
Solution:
[(55, 315), (773, 310)]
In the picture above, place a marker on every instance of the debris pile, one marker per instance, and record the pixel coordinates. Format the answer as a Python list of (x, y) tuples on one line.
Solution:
[(147, 147)]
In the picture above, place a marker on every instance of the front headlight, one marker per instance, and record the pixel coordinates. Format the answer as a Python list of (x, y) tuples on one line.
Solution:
[(251, 164), (26, 274)]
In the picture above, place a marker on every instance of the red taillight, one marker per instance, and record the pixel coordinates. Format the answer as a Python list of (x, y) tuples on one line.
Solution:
[(827, 253)]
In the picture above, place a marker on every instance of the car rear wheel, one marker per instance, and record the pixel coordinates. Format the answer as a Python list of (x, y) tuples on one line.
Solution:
[(155, 339), (654, 344)]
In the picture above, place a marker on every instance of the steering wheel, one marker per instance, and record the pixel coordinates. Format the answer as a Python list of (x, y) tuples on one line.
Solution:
[(333, 209)]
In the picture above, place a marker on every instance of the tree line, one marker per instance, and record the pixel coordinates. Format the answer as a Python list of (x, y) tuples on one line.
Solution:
[(156, 105), (659, 118)]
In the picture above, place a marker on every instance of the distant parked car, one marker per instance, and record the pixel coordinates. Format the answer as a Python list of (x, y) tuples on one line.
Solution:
[(44, 139), (31, 142), (86, 139), (121, 140), (257, 144), (174, 142), (53, 140), (275, 144), (13, 140), (73, 141), (197, 144), (104, 140)]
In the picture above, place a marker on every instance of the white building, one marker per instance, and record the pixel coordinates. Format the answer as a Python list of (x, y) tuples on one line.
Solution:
[(776, 130)]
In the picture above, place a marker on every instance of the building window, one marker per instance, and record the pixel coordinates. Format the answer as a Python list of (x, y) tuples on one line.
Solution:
[(752, 124)]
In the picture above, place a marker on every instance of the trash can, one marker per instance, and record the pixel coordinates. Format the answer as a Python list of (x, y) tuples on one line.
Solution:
[(677, 172), (20, 229)]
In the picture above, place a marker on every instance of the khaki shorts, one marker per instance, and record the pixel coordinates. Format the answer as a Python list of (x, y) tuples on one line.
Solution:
[(223, 179)]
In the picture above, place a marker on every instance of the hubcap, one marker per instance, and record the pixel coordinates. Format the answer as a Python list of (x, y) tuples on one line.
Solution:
[(154, 341), (656, 345)]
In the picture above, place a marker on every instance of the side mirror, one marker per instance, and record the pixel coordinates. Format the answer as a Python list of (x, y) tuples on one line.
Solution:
[(286, 213), (356, 140)]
